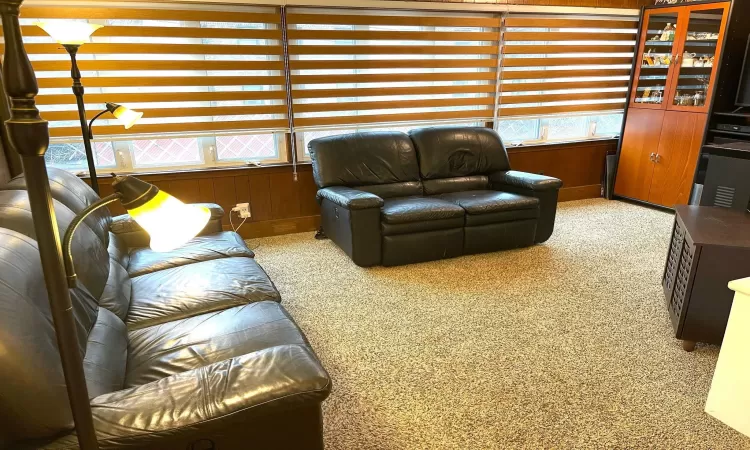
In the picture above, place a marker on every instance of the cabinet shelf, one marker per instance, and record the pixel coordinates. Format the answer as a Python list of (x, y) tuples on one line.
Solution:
[(733, 114), (730, 133)]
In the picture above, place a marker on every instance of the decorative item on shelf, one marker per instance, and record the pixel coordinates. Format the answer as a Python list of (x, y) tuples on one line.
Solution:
[(665, 60), (647, 59), (710, 62), (646, 94), (699, 99), (688, 59), (668, 34)]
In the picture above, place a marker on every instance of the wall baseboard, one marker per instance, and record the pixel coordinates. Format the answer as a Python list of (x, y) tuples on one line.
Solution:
[(580, 192), (265, 228)]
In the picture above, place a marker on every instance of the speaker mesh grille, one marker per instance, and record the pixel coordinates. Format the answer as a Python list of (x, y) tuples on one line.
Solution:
[(724, 196)]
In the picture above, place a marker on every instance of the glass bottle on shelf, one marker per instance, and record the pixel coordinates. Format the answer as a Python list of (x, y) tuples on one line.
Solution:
[(668, 34), (694, 73), (655, 72)]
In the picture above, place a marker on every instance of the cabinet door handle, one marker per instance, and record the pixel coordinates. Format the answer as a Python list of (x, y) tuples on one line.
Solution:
[(652, 157), (658, 158)]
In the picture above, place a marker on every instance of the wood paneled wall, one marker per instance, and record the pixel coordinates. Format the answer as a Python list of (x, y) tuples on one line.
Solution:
[(280, 205), (580, 165)]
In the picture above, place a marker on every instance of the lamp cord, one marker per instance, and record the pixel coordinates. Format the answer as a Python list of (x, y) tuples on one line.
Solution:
[(232, 223), (70, 270)]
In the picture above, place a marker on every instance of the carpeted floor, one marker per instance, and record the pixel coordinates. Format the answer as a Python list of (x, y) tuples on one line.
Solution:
[(563, 345)]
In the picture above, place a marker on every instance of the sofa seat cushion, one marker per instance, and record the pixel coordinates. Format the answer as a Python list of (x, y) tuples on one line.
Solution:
[(201, 248), (174, 347), (484, 207), (404, 210), (195, 289)]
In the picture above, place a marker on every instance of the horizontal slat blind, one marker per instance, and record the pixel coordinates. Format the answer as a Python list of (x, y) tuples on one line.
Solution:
[(189, 71), (565, 64), (363, 69)]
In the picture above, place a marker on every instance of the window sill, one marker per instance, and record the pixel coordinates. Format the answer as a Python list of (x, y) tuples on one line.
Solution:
[(306, 166), (302, 166), (559, 144)]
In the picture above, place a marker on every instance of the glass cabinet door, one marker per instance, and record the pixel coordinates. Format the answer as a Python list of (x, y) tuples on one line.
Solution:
[(657, 53), (698, 56)]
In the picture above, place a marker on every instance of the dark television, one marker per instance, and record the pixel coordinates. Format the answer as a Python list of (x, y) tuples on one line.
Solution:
[(743, 94)]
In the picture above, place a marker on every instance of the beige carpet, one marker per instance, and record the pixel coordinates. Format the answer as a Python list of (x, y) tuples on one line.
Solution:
[(563, 345)]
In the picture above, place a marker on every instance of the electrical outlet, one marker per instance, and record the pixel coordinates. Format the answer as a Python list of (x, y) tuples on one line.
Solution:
[(242, 210)]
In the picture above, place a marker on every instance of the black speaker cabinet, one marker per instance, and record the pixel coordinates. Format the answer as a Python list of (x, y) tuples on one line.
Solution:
[(727, 183), (710, 247)]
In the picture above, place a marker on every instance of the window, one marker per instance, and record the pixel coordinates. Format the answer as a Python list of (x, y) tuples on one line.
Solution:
[(354, 68), (212, 80), (564, 78), (210, 83)]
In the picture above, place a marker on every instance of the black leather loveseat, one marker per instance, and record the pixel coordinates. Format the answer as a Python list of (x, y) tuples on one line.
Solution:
[(182, 350), (390, 198)]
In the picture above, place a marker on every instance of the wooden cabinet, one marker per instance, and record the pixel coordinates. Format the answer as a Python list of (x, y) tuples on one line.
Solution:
[(658, 156), (710, 247), (678, 58), (679, 55)]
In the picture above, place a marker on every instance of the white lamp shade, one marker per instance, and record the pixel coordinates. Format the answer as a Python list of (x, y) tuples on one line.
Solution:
[(127, 116), (69, 32), (169, 222)]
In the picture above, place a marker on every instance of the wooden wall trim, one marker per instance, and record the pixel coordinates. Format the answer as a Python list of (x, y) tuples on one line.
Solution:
[(281, 205)]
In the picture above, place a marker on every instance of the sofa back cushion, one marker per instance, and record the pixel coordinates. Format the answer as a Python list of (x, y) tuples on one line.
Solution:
[(450, 152), (363, 159), (391, 190), (456, 184), (33, 397), (74, 193), (91, 258)]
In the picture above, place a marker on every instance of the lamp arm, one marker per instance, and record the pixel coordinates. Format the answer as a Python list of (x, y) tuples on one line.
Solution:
[(70, 270), (91, 123)]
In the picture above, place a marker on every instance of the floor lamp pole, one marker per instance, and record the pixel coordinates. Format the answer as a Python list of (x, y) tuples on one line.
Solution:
[(75, 74), (28, 134)]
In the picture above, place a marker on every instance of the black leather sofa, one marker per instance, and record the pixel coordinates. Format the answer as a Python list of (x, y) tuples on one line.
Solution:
[(390, 198), (182, 350)]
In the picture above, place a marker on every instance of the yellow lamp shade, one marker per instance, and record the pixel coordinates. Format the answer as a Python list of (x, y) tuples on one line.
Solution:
[(127, 116), (169, 222), (68, 32)]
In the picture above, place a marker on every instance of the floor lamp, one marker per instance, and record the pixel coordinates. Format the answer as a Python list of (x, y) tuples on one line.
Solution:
[(71, 35), (28, 135)]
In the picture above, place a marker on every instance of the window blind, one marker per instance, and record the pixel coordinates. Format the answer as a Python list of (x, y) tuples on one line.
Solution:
[(565, 64), (350, 67), (190, 71)]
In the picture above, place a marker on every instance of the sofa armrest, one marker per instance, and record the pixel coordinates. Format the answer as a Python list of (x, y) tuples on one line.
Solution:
[(217, 212), (525, 180), (222, 401), (349, 198), (544, 188)]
